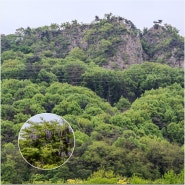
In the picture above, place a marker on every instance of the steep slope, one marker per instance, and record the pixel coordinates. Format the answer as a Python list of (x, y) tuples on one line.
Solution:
[(163, 44), (112, 42)]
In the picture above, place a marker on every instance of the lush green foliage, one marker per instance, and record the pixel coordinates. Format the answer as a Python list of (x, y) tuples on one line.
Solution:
[(128, 124), (127, 143)]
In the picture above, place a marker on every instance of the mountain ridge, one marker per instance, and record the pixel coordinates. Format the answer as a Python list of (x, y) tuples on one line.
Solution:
[(127, 115), (112, 42)]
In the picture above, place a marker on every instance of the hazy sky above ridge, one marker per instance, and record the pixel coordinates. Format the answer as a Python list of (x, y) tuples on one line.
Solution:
[(35, 13)]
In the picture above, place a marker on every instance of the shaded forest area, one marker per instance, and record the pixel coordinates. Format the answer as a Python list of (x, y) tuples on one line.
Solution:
[(127, 114)]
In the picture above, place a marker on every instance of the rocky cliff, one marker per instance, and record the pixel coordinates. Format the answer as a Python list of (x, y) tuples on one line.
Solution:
[(112, 42), (163, 44)]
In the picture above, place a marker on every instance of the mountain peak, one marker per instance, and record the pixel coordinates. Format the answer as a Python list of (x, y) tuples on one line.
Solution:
[(111, 42)]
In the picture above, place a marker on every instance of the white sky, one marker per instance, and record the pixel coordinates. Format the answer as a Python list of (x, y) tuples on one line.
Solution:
[(35, 13), (46, 116)]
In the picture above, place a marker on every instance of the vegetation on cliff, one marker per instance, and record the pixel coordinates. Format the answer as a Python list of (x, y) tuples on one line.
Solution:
[(127, 114)]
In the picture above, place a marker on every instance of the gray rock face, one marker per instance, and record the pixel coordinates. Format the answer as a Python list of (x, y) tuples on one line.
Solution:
[(126, 45), (162, 44), (112, 42)]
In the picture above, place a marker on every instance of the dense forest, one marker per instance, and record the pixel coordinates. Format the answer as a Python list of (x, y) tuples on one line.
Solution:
[(120, 88)]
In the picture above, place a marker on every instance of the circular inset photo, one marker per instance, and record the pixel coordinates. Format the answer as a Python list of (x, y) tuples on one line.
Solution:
[(46, 141)]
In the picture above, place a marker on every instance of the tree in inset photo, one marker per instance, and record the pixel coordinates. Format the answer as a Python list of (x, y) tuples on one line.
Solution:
[(46, 144)]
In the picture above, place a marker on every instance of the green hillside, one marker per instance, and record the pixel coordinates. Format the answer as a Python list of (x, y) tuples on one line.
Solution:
[(127, 114)]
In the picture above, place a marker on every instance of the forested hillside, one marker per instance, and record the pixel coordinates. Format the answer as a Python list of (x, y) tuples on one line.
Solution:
[(120, 88)]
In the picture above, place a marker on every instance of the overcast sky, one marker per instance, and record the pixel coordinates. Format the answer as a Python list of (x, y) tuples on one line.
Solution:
[(35, 13), (46, 116)]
